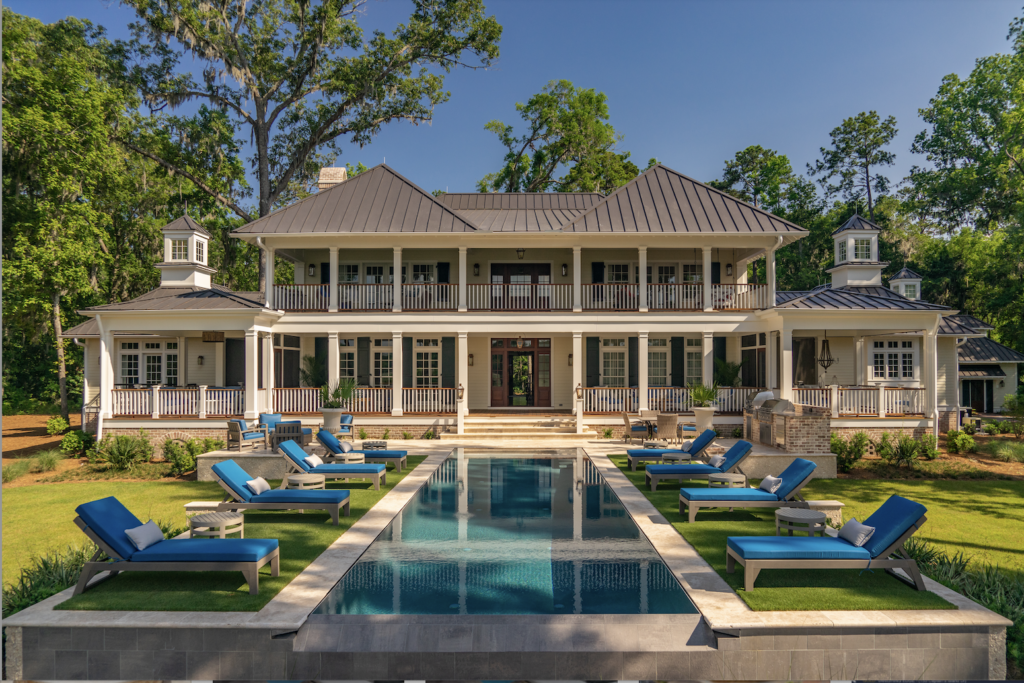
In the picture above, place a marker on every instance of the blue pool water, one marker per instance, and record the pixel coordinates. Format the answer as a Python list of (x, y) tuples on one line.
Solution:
[(501, 534)]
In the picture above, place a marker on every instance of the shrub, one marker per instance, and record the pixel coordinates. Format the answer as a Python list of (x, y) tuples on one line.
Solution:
[(904, 451), (387, 433), (848, 451), (429, 435), (928, 447), (57, 425), (1007, 451), (960, 442), (362, 434), (182, 456), (1014, 407), (76, 442), (15, 470), (124, 451), (607, 432), (991, 428), (47, 461), (969, 428), (883, 446), (46, 575), (737, 432), (406, 435), (1005, 427)]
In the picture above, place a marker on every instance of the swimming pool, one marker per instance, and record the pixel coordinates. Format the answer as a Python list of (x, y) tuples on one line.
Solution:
[(510, 533)]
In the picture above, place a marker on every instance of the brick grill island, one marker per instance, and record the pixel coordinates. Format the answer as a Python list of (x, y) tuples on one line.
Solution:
[(791, 430)]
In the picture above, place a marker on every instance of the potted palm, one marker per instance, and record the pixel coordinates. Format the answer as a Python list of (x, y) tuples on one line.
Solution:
[(703, 397), (333, 399)]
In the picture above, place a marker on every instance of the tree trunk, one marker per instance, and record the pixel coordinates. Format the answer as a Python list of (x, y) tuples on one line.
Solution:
[(867, 184), (62, 379), (263, 165)]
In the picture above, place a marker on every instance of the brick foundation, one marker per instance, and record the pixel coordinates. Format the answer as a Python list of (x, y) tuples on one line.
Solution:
[(876, 432), (947, 421)]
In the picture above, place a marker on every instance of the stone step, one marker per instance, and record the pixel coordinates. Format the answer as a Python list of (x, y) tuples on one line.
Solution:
[(520, 435)]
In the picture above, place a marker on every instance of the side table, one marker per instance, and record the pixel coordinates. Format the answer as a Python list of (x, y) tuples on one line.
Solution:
[(305, 481), (727, 480), (217, 524), (786, 518)]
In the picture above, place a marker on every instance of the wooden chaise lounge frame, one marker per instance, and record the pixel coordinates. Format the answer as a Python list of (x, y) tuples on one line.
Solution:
[(378, 478), (233, 503), (752, 567), (793, 500), (117, 564), (654, 478)]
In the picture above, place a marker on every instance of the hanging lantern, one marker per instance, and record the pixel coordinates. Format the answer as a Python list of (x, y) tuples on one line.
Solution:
[(825, 360)]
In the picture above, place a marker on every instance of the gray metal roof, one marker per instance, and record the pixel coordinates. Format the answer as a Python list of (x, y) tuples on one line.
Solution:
[(856, 222), (827, 297), (377, 200), (948, 327), (906, 274), (186, 223), (520, 211), (981, 371), (984, 350), (90, 329), (971, 321), (185, 299), (665, 201)]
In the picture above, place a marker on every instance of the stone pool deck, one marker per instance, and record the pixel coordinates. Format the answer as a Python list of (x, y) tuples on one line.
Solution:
[(727, 641)]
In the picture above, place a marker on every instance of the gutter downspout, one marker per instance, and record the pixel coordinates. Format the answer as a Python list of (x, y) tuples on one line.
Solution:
[(263, 248), (99, 415)]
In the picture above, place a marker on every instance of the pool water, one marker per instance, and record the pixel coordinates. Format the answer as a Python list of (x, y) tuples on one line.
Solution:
[(510, 534)]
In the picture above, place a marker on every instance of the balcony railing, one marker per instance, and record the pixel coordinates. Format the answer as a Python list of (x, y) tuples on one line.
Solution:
[(424, 297), (899, 401), (132, 402), (677, 399), (176, 402), (671, 297), (610, 297), (306, 401), (816, 398), (739, 297), (609, 400), (301, 297), (371, 297), (864, 401), (428, 400), (519, 297)]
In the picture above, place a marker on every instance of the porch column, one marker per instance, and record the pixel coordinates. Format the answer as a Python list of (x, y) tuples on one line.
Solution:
[(577, 280), (396, 365), (642, 280), (642, 369), (462, 279), (268, 373), (706, 279), (770, 273), (396, 282), (332, 295), (270, 277), (931, 376), (773, 380), (707, 375), (577, 378), (333, 358), (251, 374), (786, 366), (858, 360), (107, 356), (463, 379), (182, 361)]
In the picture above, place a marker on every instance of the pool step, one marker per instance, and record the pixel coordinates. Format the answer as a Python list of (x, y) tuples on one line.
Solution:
[(521, 435)]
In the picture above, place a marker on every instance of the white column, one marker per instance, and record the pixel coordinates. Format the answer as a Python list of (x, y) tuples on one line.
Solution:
[(770, 268), (706, 278), (463, 379), (107, 356), (577, 279), (463, 285), (202, 401), (396, 369), (270, 277), (218, 364), (642, 281), (396, 281), (268, 374), (931, 376), (642, 369), (858, 360), (154, 401), (708, 369), (786, 366), (770, 359), (332, 294), (251, 377), (333, 358), (833, 398), (182, 361), (577, 364)]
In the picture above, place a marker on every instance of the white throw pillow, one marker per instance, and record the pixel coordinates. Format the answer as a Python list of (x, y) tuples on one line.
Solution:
[(146, 535), (314, 461), (716, 460), (856, 533), (770, 484), (258, 485), (346, 447)]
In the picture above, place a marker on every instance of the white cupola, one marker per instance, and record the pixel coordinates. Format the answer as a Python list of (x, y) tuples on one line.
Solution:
[(906, 283), (186, 250), (856, 254)]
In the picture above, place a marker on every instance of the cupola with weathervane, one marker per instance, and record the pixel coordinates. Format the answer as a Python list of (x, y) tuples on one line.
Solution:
[(186, 250), (907, 283), (856, 254)]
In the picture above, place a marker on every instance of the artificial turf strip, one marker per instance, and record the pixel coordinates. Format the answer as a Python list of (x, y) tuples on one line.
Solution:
[(780, 589), (301, 537)]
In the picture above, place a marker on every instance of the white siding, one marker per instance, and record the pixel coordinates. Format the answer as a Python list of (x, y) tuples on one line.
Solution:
[(561, 373), (999, 393), (948, 377), (205, 373), (92, 369), (479, 385)]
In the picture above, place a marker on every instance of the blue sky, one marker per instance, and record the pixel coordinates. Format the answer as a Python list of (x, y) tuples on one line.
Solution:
[(690, 83)]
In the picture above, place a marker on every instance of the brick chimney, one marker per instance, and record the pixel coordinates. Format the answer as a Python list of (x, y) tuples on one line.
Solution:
[(331, 176)]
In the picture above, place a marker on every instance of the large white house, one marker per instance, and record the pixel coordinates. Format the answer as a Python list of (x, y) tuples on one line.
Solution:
[(445, 309)]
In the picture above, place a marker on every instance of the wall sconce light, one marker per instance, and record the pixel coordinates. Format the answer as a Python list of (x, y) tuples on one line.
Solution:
[(470, 360), (476, 269), (311, 270), (570, 360), (520, 253), (565, 269), (728, 269), (199, 360), (460, 392), (579, 391), (1002, 383)]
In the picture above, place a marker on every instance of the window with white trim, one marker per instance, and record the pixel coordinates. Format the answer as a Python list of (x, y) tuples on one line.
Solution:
[(348, 274), (347, 358), (152, 345), (172, 369), (129, 367), (422, 273), (613, 362), (618, 273), (694, 361), (179, 250), (383, 364), (840, 251), (428, 363), (154, 368), (862, 249), (657, 363), (200, 251), (910, 291), (893, 360), (693, 273)]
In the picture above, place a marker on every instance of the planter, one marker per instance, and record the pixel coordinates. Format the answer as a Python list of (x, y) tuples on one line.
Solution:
[(332, 419), (704, 418)]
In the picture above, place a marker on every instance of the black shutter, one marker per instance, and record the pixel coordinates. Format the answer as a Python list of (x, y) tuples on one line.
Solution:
[(718, 352), (716, 273), (989, 397), (325, 273), (678, 361), (290, 371), (320, 351), (447, 361), (597, 272), (363, 361), (634, 362), (407, 363), (234, 362), (444, 271), (593, 361), (259, 361)]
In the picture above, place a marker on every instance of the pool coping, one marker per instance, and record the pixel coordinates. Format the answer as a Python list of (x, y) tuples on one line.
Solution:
[(725, 611)]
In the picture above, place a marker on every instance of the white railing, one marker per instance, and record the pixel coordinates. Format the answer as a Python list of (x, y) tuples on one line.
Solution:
[(687, 297), (739, 297), (609, 400), (858, 401), (519, 297), (174, 401), (610, 297), (131, 402), (301, 297), (373, 297), (424, 297), (817, 398), (669, 399), (899, 401), (731, 399), (296, 400), (428, 400), (224, 402), (371, 400)]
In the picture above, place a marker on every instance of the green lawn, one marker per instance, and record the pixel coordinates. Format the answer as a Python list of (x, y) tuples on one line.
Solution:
[(302, 538), (980, 517)]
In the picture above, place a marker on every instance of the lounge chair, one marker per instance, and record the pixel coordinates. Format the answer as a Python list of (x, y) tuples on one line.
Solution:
[(333, 446), (105, 521), (733, 458), (272, 420), (794, 478), (241, 434), (633, 430), (295, 457), (692, 452), (232, 479), (895, 522)]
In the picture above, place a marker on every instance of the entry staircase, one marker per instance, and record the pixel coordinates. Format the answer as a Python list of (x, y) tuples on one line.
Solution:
[(521, 428)]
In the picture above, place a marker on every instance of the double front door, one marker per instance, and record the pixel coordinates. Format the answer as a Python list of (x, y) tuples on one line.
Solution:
[(520, 373), (521, 286)]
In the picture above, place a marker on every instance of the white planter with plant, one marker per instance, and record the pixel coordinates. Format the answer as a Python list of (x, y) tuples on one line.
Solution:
[(703, 397), (333, 401)]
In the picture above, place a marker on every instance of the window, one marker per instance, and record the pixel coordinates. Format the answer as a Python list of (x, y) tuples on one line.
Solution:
[(129, 345), (657, 362), (382, 342), (893, 360), (154, 369), (840, 251), (908, 359), (347, 359), (694, 361), (910, 291), (179, 250), (172, 369), (862, 249), (693, 273), (544, 370), (613, 363), (130, 367), (422, 273), (496, 366), (200, 251), (428, 364), (152, 345), (349, 274), (382, 368), (375, 275), (618, 273)]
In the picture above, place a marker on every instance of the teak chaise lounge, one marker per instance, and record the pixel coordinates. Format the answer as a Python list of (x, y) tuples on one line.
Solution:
[(333, 446), (694, 450), (295, 457), (794, 478), (733, 458), (105, 522), (232, 479), (895, 522)]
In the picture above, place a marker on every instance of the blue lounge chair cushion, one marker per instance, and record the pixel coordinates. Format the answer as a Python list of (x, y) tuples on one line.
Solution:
[(795, 548), (346, 419), (655, 451), (383, 454), (891, 521), (727, 494), (301, 496), (294, 451), (208, 550), (696, 468), (797, 471), (687, 428), (270, 421), (735, 455), (702, 441), (638, 428), (328, 441), (109, 519), (253, 435), (338, 468), (235, 477)]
